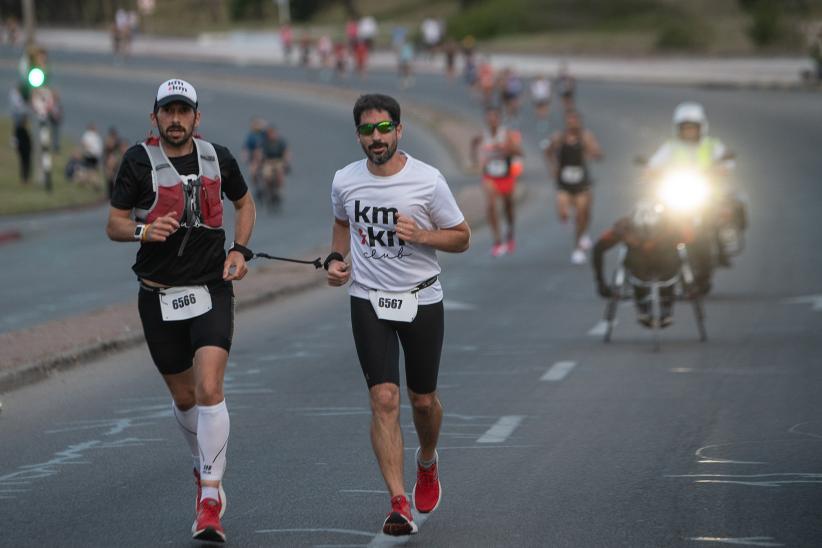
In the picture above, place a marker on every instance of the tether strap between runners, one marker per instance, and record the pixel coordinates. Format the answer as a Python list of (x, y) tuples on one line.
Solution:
[(248, 255), (316, 262)]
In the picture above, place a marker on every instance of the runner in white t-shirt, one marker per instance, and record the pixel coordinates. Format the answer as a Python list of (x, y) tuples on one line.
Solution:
[(393, 213)]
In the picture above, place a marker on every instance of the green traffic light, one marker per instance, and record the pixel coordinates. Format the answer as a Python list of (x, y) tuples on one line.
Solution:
[(36, 77)]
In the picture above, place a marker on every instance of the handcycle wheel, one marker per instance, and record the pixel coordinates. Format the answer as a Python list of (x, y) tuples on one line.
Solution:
[(699, 313), (656, 315), (610, 314), (691, 292)]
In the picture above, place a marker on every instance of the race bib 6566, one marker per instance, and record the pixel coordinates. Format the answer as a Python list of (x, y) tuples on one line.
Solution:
[(183, 303)]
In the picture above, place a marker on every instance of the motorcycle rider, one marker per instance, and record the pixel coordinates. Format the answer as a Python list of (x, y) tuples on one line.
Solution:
[(651, 237), (693, 146)]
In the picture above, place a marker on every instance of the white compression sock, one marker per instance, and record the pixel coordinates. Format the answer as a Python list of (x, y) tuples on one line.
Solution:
[(212, 436), (187, 421), (210, 493)]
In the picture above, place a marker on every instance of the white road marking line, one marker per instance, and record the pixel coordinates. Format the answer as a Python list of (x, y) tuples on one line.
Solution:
[(744, 541), (503, 428), (814, 300), (558, 371), (337, 414), (457, 305), (387, 540), (439, 448), (338, 531), (599, 329), (707, 459)]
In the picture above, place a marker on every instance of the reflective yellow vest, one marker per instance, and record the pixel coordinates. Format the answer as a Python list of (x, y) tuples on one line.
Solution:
[(684, 154)]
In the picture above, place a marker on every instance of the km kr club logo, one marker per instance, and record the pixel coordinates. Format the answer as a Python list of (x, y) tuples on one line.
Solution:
[(377, 215)]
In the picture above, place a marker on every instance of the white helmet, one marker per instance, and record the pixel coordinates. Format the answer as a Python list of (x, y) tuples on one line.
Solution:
[(646, 217), (692, 113)]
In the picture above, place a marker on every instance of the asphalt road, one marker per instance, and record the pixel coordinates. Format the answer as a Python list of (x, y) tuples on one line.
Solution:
[(551, 438)]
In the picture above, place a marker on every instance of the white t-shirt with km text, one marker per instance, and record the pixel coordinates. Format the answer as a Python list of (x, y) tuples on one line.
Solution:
[(370, 203)]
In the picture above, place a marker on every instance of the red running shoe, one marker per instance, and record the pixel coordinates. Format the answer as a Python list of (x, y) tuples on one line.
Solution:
[(208, 526), (399, 521), (427, 490), (199, 485)]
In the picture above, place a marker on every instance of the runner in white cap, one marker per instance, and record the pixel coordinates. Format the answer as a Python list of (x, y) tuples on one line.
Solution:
[(167, 197)]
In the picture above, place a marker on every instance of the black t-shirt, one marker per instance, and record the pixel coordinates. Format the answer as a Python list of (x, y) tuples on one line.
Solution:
[(204, 254)]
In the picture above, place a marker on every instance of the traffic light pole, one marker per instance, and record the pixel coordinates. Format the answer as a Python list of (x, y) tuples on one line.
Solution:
[(28, 21), (40, 131)]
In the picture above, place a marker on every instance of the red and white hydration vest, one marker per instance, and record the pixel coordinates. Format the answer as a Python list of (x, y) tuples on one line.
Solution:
[(197, 198)]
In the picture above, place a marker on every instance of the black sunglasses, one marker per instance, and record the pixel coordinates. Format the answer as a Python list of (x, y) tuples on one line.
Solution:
[(386, 126)]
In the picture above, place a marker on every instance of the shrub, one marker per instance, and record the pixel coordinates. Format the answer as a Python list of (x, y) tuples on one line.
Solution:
[(766, 22), (682, 34)]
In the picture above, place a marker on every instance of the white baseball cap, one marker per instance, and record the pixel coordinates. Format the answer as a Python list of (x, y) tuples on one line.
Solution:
[(175, 90)]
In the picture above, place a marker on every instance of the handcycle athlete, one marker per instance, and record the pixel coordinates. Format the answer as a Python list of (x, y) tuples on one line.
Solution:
[(653, 262)]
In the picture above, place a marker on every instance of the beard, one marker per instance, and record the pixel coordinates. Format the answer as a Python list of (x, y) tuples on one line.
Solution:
[(379, 158), (176, 140)]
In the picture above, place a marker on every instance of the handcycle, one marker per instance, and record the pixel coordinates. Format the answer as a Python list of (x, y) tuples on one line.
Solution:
[(622, 289)]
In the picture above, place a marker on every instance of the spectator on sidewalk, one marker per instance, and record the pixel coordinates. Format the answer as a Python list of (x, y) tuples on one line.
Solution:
[(55, 119), (12, 32), (18, 109), (75, 171), (287, 39), (113, 149), (816, 55), (91, 144), (22, 144)]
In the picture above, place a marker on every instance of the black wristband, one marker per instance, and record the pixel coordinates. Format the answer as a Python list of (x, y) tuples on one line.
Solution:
[(333, 256), (244, 251)]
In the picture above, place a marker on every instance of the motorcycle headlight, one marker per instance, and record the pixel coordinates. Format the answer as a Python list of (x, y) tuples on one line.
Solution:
[(684, 190)]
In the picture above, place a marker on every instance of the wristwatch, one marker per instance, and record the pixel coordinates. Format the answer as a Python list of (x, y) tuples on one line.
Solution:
[(138, 231)]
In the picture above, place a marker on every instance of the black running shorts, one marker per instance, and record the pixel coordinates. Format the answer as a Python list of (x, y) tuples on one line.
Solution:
[(172, 344), (575, 189), (378, 345)]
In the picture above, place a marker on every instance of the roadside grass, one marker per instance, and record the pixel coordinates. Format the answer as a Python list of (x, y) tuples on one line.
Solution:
[(17, 198), (558, 27)]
